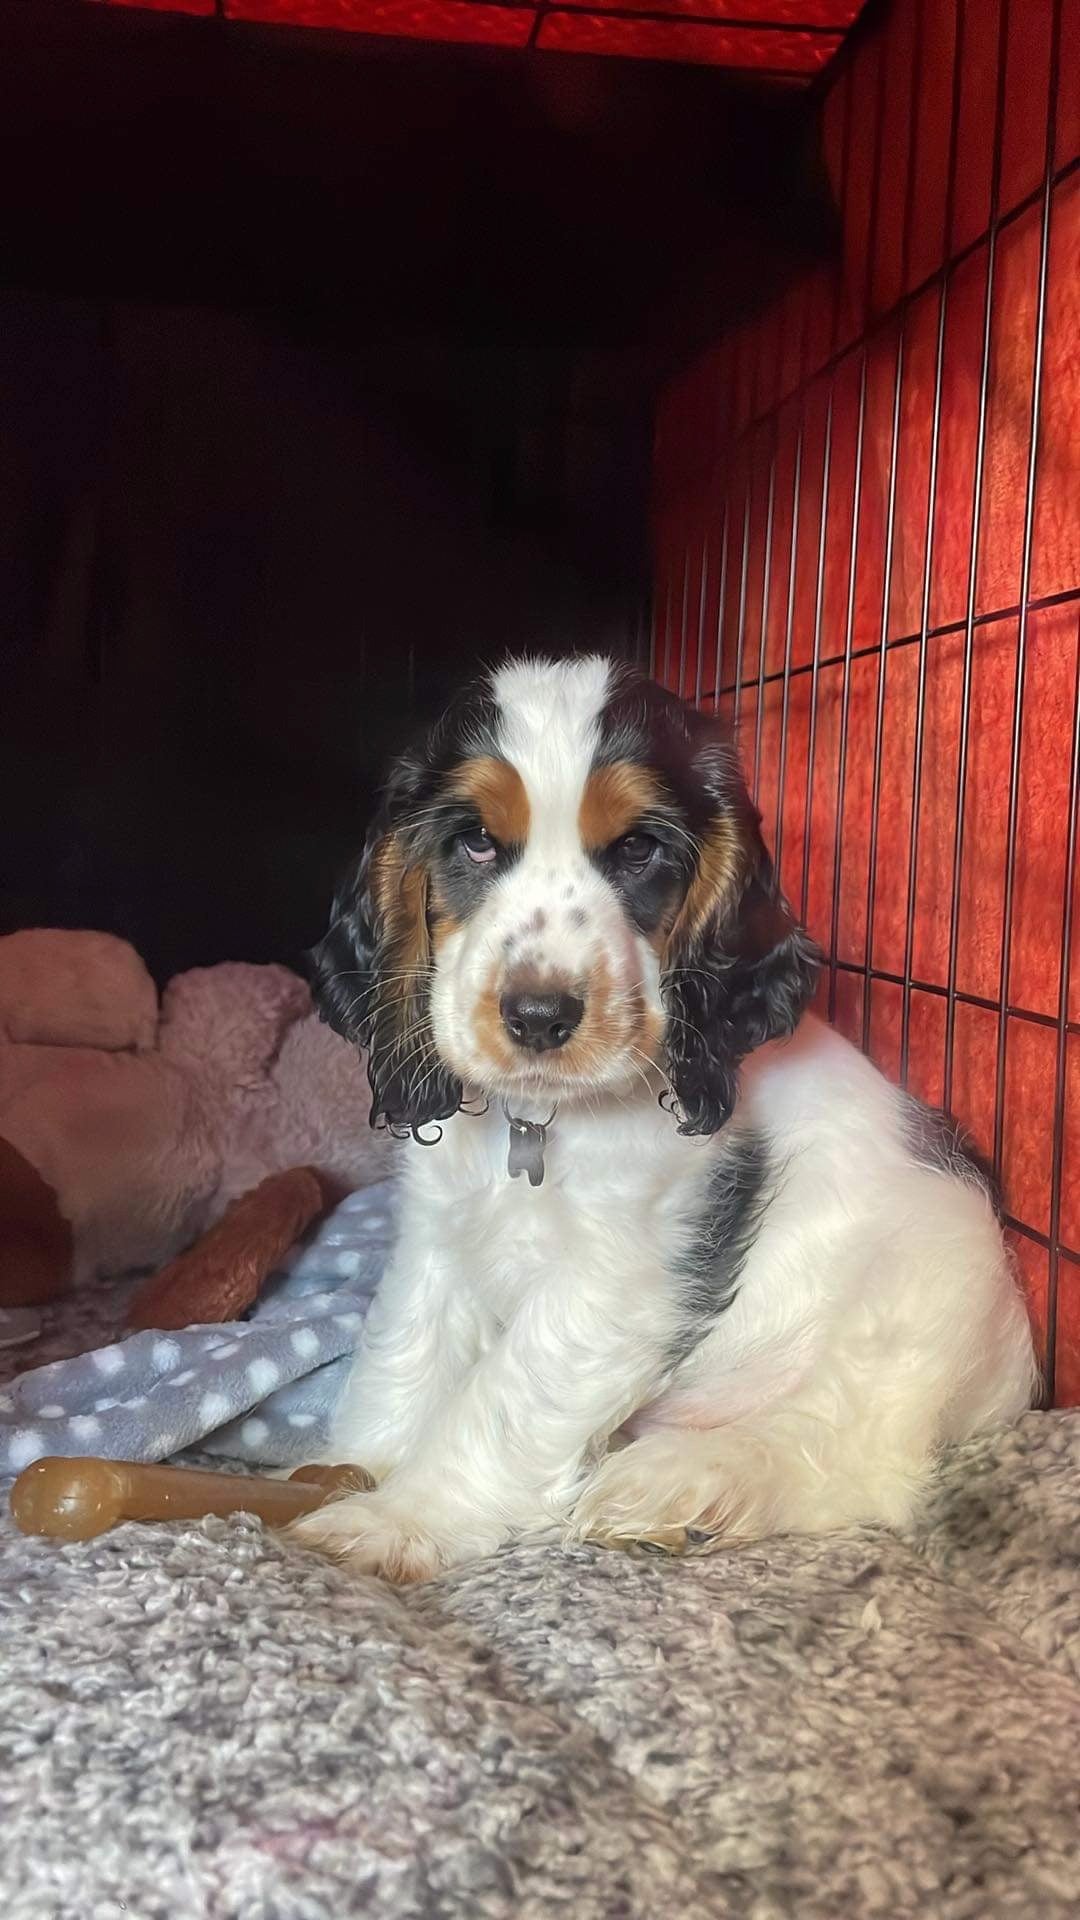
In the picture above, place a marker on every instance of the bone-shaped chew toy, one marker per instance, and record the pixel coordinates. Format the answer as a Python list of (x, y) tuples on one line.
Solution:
[(78, 1499)]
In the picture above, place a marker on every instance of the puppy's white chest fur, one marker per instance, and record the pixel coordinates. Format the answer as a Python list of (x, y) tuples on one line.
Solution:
[(607, 1196)]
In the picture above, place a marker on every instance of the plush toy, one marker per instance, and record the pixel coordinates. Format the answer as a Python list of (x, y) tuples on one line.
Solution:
[(219, 1278), (127, 1129)]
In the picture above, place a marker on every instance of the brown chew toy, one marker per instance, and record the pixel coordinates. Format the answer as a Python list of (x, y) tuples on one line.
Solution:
[(78, 1499), (219, 1277)]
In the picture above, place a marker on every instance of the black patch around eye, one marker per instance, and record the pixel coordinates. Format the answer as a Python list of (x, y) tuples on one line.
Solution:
[(462, 883), (648, 891), (634, 850)]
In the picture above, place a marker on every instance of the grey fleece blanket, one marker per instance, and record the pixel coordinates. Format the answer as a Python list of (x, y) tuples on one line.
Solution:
[(261, 1390), (197, 1723)]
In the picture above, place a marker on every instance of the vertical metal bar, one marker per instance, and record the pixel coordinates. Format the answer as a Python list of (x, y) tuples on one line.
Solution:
[(721, 604), (845, 182), (928, 560), (701, 608), (845, 699), (759, 720), (973, 555), (789, 618), (920, 697), (871, 251), (819, 599), (905, 258), (1034, 422), (1060, 1065), (879, 715)]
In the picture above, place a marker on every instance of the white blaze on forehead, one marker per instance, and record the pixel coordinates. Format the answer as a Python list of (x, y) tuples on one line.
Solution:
[(549, 729)]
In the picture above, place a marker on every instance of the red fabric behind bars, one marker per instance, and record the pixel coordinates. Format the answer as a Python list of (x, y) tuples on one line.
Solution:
[(867, 540)]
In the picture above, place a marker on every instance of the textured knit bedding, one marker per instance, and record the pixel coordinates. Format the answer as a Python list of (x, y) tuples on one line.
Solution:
[(196, 1724)]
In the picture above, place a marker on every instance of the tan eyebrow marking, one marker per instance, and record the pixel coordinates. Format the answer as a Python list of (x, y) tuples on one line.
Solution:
[(614, 800), (497, 791)]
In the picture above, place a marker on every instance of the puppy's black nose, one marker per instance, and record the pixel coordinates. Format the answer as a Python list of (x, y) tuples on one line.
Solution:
[(540, 1021)]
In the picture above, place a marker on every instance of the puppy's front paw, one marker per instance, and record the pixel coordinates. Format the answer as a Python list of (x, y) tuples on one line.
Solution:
[(369, 1534), (407, 1531)]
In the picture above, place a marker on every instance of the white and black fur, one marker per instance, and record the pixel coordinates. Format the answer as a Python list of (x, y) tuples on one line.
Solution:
[(758, 1288)]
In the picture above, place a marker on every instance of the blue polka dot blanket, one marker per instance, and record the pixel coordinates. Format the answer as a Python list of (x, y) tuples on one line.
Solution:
[(260, 1390)]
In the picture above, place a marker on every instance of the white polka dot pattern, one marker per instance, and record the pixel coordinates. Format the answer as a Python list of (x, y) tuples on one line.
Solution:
[(109, 1360), (260, 1390)]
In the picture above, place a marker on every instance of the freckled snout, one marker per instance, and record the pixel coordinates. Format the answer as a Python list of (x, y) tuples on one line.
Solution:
[(539, 1021)]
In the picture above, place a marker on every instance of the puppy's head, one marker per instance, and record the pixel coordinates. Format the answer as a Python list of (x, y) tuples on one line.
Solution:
[(564, 888)]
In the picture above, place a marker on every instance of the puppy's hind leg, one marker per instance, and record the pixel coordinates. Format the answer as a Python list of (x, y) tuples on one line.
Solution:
[(788, 1472)]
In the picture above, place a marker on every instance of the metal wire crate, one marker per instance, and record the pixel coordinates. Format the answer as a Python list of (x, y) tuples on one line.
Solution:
[(867, 555)]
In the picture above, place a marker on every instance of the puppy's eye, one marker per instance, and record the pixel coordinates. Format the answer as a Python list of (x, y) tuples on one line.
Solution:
[(478, 845), (635, 851)]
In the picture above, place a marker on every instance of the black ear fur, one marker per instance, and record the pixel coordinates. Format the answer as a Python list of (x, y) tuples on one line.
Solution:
[(370, 974), (340, 964), (744, 979)]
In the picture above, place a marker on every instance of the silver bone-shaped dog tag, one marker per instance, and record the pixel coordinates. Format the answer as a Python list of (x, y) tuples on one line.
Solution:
[(527, 1142)]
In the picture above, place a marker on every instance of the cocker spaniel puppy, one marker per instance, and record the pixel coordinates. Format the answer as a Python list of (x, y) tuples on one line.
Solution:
[(675, 1261)]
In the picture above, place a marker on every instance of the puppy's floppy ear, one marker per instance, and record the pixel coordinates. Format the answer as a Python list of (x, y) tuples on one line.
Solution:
[(738, 969), (371, 972), (340, 964)]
